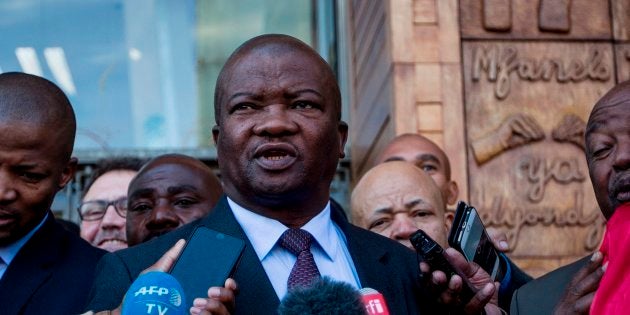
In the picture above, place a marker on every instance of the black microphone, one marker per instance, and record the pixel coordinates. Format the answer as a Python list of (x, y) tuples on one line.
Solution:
[(324, 296), (156, 293)]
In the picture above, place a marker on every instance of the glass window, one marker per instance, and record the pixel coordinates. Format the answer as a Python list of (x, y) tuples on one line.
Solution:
[(141, 73)]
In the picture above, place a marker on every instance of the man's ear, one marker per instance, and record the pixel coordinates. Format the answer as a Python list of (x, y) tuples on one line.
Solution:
[(453, 192), (343, 136), (68, 172), (215, 134), (448, 219)]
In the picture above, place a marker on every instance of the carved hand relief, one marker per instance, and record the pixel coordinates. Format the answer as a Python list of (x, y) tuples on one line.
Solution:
[(526, 104), (571, 129), (520, 129), (516, 130)]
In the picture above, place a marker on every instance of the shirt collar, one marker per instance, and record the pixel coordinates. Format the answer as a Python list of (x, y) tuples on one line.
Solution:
[(9, 252), (264, 232)]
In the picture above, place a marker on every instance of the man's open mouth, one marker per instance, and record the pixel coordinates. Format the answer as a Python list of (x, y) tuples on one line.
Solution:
[(275, 156), (621, 190)]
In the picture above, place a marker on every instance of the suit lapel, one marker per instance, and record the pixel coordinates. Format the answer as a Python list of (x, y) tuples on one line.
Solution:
[(31, 268), (369, 261), (250, 275)]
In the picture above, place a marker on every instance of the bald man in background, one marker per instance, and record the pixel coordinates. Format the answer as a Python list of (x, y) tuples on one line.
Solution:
[(429, 157), (399, 189), (44, 269)]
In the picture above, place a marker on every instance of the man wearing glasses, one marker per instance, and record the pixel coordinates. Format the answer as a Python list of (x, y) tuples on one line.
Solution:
[(104, 205)]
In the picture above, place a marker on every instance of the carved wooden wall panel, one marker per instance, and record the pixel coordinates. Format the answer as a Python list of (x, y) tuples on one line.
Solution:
[(551, 19), (532, 72), (526, 106), (621, 19), (622, 54), (462, 72)]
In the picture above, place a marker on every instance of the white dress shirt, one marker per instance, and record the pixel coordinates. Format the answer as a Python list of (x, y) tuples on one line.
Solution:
[(330, 249), (9, 252)]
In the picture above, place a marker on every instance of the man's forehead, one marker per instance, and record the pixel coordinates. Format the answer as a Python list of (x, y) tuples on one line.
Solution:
[(264, 66), (111, 183), (416, 149), (604, 112), (171, 163), (397, 176), (391, 203), (161, 187), (174, 171)]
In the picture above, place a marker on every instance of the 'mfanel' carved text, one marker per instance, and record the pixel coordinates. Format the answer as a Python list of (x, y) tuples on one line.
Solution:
[(500, 63)]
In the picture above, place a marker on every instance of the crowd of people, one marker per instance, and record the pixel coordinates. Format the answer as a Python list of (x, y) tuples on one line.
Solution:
[(279, 137)]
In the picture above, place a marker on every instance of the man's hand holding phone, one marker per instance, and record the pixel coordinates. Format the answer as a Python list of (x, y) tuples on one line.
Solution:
[(457, 283), (469, 236)]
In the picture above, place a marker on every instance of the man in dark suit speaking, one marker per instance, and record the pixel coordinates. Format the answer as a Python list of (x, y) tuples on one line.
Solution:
[(44, 269), (279, 137)]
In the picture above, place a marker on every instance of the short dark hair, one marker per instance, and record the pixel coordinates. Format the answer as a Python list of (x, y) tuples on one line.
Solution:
[(121, 163), (32, 99)]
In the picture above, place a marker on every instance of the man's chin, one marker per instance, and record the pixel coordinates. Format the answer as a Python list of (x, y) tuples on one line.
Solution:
[(113, 245), (407, 244), (153, 235)]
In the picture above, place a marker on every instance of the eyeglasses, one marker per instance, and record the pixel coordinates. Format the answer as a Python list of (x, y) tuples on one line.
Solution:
[(95, 209)]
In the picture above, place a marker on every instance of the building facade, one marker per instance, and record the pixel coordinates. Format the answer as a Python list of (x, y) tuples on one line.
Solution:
[(477, 76)]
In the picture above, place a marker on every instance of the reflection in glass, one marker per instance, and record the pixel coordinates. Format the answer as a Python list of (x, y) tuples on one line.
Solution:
[(141, 73)]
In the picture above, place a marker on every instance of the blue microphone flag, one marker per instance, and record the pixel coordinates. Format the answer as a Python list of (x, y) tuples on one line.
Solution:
[(156, 293)]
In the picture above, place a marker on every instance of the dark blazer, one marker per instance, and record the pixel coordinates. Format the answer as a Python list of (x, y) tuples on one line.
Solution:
[(541, 295), (51, 274), (381, 264)]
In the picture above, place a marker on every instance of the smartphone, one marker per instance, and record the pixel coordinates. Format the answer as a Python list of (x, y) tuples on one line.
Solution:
[(208, 259), (433, 254), (469, 237)]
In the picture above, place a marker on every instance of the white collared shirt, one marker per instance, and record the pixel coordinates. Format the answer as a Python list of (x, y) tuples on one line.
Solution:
[(330, 250), (9, 252)]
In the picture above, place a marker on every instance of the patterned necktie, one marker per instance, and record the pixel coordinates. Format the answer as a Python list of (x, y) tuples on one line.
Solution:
[(298, 242)]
